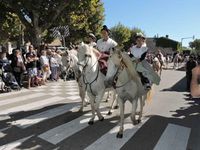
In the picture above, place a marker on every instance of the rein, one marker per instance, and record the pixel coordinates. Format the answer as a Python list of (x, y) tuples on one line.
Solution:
[(84, 74), (122, 66)]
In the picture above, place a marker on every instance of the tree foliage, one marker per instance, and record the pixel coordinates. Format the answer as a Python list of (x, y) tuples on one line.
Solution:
[(10, 26), (38, 16), (124, 36), (121, 34), (195, 45)]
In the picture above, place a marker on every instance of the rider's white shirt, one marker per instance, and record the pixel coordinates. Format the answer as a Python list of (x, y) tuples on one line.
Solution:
[(137, 52), (92, 44), (105, 46)]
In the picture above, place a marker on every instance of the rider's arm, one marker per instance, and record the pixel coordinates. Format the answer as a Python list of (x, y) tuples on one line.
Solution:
[(98, 54), (143, 56), (195, 87)]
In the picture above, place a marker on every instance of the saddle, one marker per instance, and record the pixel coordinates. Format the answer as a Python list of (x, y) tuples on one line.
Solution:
[(103, 62)]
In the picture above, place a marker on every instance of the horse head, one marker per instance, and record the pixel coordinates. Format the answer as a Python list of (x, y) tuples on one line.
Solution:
[(114, 64)]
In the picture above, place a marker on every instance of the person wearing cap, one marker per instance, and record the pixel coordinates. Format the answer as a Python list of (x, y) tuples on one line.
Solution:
[(138, 53), (104, 45), (92, 40)]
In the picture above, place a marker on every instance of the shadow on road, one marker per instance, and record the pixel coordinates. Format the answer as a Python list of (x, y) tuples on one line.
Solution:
[(179, 86)]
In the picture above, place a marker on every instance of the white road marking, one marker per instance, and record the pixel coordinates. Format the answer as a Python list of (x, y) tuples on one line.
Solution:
[(62, 132), (15, 144), (20, 98), (109, 139), (33, 105), (175, 137), (34, 119), (73, 97)]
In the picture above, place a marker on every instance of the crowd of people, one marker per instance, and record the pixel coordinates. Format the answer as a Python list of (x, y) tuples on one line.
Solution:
[(32, 66)]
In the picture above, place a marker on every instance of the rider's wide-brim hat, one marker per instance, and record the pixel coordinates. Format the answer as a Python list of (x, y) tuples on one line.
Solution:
[(92, 36), (140, 35)]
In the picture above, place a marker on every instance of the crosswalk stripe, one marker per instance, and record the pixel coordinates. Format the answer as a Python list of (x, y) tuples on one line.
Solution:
[(63, 131), (1, 132), (21, 98), (14, 144), (109, 139), (4, 117), (34, 119), (174, 137), (34, 105), (13, 93)]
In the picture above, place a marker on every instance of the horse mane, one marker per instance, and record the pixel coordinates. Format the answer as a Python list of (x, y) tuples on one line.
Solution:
[(130, 66), (132, 71)]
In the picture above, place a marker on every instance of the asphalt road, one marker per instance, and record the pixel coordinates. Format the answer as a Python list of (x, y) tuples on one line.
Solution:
[(47, 117)]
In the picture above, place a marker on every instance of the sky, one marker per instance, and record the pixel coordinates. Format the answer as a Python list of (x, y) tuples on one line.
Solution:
[(180, 19)]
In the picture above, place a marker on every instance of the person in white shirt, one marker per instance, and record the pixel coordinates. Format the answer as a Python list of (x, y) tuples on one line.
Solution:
[(138, 53), (44, 61), (104, 45), (92, 40)]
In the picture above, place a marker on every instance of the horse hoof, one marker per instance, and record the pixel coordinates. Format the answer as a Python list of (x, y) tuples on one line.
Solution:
[(80, 110), (101, 119), (91, 122), (109, 113), (135, 122), (115, 107), (119, 135)]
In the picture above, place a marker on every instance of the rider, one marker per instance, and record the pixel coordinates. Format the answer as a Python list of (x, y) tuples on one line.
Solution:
[(138, 53), (104, 45), (92, 40)]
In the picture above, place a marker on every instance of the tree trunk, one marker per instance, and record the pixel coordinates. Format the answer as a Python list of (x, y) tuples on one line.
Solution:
[(35, 37)]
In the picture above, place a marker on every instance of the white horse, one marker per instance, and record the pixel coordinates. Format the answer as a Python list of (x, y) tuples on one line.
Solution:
[(93, 79), (157, 67), (121, 71), (70, 61)]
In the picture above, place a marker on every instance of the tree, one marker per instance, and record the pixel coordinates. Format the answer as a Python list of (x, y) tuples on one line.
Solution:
[(195, 45), (86, 17), (11, 26), (38, 16), (121, 34), (131, 40)]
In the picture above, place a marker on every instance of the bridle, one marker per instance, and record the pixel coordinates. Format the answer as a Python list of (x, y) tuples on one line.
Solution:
[(120, 68), (84, 73)]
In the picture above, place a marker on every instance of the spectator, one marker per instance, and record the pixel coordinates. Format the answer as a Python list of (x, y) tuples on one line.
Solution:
[(189, 66), (54, 66), (31, 66), (195, 87), (18, 66), (45, 68)]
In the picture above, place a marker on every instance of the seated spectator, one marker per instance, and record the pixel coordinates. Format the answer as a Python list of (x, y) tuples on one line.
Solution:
[(195, 87)]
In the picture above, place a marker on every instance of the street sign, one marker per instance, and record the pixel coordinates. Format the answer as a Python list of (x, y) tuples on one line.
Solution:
[(60, 32)]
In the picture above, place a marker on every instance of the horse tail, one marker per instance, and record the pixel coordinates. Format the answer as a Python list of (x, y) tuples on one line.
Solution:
[(149, 95)]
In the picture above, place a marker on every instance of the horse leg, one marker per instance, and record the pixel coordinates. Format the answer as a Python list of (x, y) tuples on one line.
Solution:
[(97, 103), (142, 101), (121, 129), (92, 98), (82, 94), (134, 107), (108, 96), (113, 101)]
